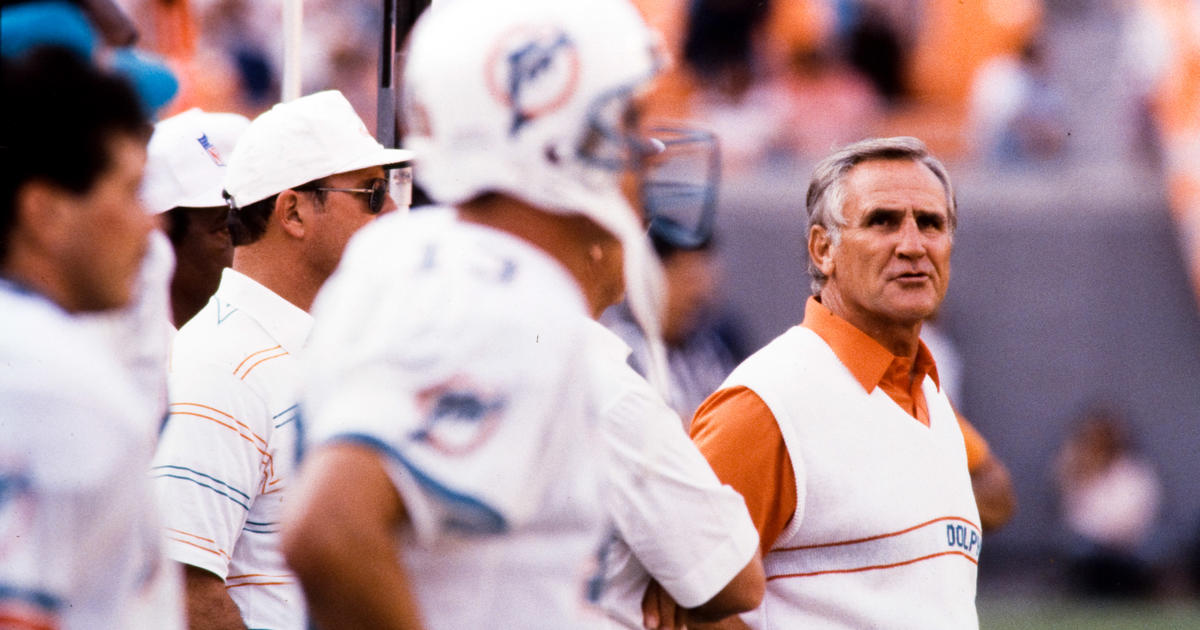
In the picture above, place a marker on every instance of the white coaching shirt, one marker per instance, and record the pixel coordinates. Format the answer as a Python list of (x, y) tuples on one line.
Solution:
[(673, 518), (227, 452), (80, 545), (458, 352)]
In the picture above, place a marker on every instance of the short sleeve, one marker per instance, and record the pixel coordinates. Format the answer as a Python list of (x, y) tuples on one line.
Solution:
[(688, 530), (210, 464), (738, 435)]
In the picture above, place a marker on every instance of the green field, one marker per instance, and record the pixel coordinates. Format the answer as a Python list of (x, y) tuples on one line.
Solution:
[(1058, 614)]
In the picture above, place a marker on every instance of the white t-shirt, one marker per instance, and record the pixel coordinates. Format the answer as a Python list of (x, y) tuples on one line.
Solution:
[(227, 453), (673, 518), (80, 545), (459, 353)]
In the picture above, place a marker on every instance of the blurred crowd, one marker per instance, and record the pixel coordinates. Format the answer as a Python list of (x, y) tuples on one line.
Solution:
[(775, 80)]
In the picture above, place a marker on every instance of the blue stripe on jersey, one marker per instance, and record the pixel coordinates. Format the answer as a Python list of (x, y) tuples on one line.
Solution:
[(260, 528), (468, 514), (276, 417), (43, 600), (210, 477), (204, 485)]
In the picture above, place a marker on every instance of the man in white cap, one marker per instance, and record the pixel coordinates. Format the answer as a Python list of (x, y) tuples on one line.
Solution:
[(455, 381), (302, 179), (185, 166)]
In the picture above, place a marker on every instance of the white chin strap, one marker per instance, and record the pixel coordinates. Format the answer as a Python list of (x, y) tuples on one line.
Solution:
[(645, 293)]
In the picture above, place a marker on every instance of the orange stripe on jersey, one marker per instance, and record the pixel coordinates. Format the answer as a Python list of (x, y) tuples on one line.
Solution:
[(13, 621), (216, 552), (252, 438), (274, 580), (250, 575), (875, 567), (235, 420), (180, 531), (229, 586), (880, 536), (282, 353), (254, 354)]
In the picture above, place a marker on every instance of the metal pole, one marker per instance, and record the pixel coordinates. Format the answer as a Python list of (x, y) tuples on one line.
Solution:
[(293, 20), (398, 19)]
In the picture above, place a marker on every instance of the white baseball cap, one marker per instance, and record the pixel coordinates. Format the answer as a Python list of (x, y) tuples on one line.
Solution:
[(299, 141), (186, 157)]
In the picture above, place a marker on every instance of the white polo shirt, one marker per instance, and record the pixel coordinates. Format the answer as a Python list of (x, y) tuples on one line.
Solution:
[(458, 352), (80, 545), (672, 518), (226, 455)]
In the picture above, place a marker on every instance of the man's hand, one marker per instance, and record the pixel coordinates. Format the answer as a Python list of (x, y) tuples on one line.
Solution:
[(659, 610)]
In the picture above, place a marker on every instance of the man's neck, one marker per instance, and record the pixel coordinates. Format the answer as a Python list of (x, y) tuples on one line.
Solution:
[(280, 270), (900, 338), (566, 238)]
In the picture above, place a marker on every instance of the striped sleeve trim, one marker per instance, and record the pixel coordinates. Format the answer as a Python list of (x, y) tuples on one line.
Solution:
[(203, 480), (466, 513), (28, 609), (199, 542)]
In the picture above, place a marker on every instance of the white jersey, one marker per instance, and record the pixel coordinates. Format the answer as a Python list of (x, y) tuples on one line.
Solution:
[(458, 352), (673, 518), (80, 545), (227, 453)]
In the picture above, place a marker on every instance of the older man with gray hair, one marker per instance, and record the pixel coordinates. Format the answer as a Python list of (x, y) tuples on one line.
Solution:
[(837, 433)]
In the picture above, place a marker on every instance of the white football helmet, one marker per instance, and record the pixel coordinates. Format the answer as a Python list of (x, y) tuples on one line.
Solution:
[(527, 99)]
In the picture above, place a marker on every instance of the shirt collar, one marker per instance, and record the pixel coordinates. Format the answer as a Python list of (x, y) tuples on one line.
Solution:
[(285, 322), (866, 358)]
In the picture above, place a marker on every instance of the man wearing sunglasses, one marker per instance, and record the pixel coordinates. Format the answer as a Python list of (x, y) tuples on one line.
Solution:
[(302, 179)]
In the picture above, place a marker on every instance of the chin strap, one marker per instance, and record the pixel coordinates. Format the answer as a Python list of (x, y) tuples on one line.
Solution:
[(645, 293)]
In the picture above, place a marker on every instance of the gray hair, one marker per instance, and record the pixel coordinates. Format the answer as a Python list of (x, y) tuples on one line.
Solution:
[(827, 192)]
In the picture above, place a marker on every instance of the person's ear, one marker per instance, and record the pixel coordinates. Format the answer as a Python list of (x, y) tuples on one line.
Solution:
[(288, 213), (820, 249), (45, 214)]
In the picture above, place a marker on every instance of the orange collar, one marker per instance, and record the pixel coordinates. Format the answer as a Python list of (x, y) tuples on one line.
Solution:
[(867, 359)]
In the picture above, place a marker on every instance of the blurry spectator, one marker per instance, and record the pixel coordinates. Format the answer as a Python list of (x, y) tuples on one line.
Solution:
[(1110, 497), (184, 166), (720, 43), (829, 103), (875, 48), (95, 29), (1017, 114)]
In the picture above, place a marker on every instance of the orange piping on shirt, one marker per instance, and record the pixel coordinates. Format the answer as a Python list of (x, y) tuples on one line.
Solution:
[(252, 355), (880, 536), (876, 566), (283, 353)]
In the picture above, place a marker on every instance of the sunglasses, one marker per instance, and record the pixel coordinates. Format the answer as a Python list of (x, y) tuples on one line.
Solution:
[(378, 193)]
